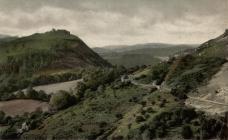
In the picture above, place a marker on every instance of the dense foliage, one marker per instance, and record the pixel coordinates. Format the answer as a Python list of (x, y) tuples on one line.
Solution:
[(62, 100), (17, 125), (193, 125)]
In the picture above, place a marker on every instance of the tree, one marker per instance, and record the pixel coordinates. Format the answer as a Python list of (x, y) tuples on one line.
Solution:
[(80, 90), (10, 133), (62, 100)]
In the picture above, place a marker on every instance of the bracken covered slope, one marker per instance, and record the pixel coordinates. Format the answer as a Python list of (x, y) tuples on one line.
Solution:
[(57, 49)]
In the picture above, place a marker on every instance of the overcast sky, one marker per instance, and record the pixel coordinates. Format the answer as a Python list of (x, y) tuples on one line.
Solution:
[(112, 22)]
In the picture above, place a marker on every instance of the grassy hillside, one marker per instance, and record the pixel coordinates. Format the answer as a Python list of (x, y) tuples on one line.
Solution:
[(43, 54), (54, 49), (147, 54), (124, 111), (187, 71), (106, 107)]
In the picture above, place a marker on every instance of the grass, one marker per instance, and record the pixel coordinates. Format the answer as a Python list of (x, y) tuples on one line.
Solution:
[(40, 54), (153, 100), (96, 114)]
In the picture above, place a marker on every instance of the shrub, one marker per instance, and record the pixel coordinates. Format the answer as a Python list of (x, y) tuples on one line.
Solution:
[(2, 117), (62, 100), (119, 115), (160, 132), (31, 93), (159, 72), (139, 119), (99, 77), (186, 132), (10, 133), (20, 95), (80, 90)]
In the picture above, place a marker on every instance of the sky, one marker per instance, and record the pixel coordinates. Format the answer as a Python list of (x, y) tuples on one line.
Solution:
[(114, 22)]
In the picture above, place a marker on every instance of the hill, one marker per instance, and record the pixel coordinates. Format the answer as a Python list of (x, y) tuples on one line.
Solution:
[(141, 54), (121, 48), (57, 49), (199, 74), (143, 103), (43, 54), (212, 97), (5, 38), (118, 110)]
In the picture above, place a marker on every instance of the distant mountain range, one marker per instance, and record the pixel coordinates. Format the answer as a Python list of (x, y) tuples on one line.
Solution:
[(3, 36), (140, 54), (146, 45)]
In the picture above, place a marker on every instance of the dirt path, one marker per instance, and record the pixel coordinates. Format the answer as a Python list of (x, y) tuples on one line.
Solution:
[(53, 88), (19, 107), (213, 97), (208, 101)]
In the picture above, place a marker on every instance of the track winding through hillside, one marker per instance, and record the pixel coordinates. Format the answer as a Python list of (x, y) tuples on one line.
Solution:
[(213, 97), (208, 101)]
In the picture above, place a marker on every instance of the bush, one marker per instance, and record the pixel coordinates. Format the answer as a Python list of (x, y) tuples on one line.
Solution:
[(80, 90), (99, 77), (159, 72), (119, 116), (33, 94), (10, 133), (62, 100), (139, 119), (186, 132), (179, 93), (2, 117)]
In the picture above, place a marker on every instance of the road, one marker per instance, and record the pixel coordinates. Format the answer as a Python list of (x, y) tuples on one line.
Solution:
[(209, 101), (158, 87)]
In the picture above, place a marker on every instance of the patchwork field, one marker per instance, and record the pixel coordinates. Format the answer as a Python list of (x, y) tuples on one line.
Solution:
[(19, 107)]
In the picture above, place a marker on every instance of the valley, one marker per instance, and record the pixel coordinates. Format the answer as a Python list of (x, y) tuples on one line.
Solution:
[(113, 70), (66, 90)]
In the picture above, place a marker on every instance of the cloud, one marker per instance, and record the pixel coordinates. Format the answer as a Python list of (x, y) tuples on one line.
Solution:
[(108, 22)]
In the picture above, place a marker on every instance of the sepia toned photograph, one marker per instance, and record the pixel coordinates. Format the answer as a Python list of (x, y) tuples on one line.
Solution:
[(113, 69)]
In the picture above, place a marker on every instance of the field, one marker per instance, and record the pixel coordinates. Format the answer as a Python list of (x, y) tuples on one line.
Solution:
[(54, 88), (19, 107)]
